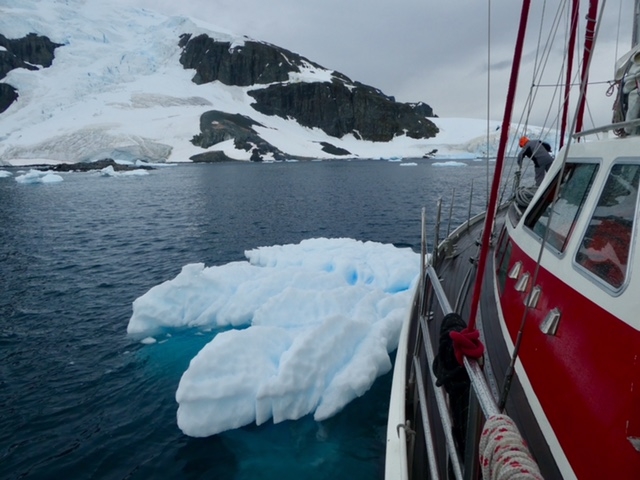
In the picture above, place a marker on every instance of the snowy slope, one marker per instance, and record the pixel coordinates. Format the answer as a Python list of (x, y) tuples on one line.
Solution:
[(116, 89)]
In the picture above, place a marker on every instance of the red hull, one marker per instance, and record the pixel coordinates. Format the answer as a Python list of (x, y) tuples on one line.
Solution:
[(585, 377)]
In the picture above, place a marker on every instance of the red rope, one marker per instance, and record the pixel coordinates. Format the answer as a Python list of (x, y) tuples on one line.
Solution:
[(466, 343)]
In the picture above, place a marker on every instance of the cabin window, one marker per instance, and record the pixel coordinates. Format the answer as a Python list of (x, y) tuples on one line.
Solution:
[(604, 250), (576, 182)]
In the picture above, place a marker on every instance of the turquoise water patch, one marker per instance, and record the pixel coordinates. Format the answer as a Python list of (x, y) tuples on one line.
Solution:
[(172, 350)]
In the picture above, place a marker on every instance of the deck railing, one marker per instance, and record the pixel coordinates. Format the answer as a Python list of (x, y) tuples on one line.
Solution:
[(631, 124), (481, 400)]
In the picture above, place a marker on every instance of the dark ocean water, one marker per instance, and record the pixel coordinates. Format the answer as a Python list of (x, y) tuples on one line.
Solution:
[(79, 399)]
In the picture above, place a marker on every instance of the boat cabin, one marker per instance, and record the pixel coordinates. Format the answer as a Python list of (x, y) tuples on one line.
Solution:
[(565, 270)]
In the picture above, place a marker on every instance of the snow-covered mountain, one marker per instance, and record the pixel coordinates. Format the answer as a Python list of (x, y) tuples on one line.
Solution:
[(118, 88)]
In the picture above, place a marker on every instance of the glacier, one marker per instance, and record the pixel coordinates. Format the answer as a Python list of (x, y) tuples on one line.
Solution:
[(116, 90)]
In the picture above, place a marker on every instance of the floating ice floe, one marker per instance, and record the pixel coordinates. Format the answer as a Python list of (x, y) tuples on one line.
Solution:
[(310, 326), (110, 172), (37, 176), (449, 164)]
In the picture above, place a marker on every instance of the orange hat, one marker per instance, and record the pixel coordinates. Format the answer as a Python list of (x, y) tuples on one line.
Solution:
[(523, 141)]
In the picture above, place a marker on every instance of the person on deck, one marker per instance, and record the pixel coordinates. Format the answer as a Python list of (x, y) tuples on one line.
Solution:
[(631, 90), (539, 152)]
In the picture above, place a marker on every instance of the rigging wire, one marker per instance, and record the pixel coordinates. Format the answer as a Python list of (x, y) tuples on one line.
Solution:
[(551, 120), (589, 43), (536, 68), (520, 123), (553, 33), (563, 70), (488, 96), (540, 67), (613, 83), (618, 29), (573, 28), (493, 207), (572, 84), (511, 368), (540, 64)]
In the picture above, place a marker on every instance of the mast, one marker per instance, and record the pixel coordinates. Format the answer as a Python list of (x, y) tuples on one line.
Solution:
[(588, 48), (502, 147), (575, 8)]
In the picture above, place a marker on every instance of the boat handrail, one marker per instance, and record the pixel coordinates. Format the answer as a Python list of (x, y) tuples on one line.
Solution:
[(478, 381), (607, 128), (441, 402), (438, 290), (479, 385), (480, 393)]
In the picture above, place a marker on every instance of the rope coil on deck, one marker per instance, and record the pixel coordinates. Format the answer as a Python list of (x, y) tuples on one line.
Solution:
[(504, 454), (524, 195)]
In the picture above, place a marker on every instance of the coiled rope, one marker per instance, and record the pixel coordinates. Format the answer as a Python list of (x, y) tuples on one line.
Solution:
[(524, 195), (504, 454)]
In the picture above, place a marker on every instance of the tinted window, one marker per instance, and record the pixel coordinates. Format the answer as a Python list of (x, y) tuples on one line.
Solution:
[(576, 182), (604, 250)]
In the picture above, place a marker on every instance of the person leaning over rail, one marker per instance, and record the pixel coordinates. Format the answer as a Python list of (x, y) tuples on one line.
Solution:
[(540, 154), (630, 89)]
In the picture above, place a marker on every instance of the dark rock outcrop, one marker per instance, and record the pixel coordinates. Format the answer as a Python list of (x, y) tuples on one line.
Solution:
[(34, 49), (211, 157), (8, 95), (338, 107), (97, 165), (333, 150), (423, 109), (251, 64), (216, 127), (25, 52)]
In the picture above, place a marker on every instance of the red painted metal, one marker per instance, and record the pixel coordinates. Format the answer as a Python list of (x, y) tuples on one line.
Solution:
[(502, 147), (588, 47), (575, 9), (584, 377)]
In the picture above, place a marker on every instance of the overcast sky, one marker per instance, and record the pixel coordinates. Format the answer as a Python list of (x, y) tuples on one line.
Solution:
[(415, 50)]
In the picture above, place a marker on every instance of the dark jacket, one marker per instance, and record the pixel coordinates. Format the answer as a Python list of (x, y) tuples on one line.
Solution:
[(539, 152)]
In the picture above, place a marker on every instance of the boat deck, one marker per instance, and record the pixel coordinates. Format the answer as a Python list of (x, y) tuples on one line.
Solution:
[(456, 265)]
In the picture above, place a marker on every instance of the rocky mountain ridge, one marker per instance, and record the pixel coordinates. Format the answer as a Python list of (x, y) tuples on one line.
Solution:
[(27, 52), (279, 95), (338, 107)]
